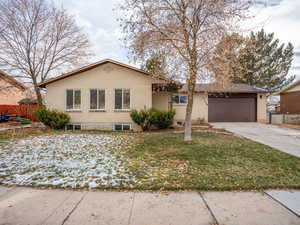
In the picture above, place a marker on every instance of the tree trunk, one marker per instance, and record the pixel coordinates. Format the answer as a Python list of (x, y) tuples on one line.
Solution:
[(189, 108), (38, 93)]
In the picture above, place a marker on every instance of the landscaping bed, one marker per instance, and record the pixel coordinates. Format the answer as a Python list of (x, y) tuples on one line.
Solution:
[(143, 161)]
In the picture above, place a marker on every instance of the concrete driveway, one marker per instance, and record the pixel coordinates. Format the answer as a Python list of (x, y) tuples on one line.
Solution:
[(283, 139), (24, 206)]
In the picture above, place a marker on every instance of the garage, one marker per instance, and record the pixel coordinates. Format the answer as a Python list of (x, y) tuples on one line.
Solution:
[(232, 108)]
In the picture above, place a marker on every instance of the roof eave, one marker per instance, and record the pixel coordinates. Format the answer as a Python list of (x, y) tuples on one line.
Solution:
[(92, 66)]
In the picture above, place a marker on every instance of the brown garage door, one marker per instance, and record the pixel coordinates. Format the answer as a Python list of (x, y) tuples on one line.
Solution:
[(233, 109)]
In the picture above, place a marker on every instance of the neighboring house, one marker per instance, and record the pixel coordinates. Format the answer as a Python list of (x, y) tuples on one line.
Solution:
[(101, 95), (11, 90), (290, 99)]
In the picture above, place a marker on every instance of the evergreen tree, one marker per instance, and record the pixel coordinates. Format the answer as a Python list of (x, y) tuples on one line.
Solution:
[(155, 65), (263, 62)]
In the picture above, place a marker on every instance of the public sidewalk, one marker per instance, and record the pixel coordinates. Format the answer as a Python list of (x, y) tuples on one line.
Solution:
[(20, 206)]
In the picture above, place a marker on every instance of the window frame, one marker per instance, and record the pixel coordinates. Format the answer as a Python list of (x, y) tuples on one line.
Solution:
[(122, 109), (97, 109), (122, 124), (179, 97), (73, 127), (66, 93)]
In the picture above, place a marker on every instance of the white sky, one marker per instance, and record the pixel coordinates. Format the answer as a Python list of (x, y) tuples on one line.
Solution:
[(98, 18)]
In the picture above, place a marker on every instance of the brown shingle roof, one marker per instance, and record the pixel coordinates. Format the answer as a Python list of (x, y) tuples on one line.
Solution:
[(12, 81), (232, 88), (92, 66)]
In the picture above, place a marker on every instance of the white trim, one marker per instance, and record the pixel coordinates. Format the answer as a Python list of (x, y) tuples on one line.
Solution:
[(179, 103), (97, 109), (73, 126), (122, 124), (130, 99), (66, 96)]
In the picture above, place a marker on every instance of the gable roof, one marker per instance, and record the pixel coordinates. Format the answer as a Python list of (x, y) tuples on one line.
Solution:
[(92, 66), (12, 81), (289, 87), (233, 88)]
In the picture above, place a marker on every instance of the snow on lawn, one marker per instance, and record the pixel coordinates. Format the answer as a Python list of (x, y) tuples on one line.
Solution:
[(67, 160)]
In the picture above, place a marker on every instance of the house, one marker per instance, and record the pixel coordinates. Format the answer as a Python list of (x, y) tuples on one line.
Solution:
[(290, 99), (11, 90), (101, 95)]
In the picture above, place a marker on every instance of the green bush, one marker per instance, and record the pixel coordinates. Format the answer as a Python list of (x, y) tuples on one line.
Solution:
[(52, 118), (153, 117), (143, 118), (164, 119), (25, 122)]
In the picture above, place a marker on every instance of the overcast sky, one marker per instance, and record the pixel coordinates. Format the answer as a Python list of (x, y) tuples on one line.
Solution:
[(99, 19)]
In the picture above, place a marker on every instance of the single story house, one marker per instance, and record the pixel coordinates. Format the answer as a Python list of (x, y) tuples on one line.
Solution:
[(290, 99), (101, 96), (11, 90)]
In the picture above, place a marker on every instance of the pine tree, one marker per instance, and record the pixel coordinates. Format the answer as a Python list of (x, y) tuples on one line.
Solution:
[(155, 65), (263, 62)]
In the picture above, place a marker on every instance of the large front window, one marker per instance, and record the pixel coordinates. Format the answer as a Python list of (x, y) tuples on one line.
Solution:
[(122, 99), (73, 99), (97, 99)]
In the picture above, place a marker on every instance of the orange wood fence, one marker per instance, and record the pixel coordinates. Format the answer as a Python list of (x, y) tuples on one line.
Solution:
[(22, 110)]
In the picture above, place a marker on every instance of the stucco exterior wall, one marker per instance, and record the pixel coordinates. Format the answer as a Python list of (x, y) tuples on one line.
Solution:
[(200, 107), (262, 108), (109, 77), (11, 95)]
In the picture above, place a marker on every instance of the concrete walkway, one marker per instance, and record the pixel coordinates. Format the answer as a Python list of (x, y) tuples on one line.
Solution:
[(20, 206), (283, 139)]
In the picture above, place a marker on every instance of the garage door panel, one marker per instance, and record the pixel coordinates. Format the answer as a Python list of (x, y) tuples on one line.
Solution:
[(231, 110)]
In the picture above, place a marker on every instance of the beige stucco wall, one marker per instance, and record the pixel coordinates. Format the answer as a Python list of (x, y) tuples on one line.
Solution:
[(10, 95), (109, 77), (262, 108), (200, 107)]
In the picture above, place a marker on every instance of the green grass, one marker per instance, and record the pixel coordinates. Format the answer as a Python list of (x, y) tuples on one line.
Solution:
[(210, 162), (163, 161)]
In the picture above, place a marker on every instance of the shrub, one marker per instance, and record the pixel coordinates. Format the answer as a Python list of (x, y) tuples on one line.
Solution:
[(153, 117), (25, 122), (143, 118), (52, 118), (164, 119)]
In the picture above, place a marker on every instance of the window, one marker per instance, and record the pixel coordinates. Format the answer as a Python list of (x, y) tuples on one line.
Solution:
[(97, 99), (73, 127), (73, 99), (122, 127), (122, 98), (180, 99)]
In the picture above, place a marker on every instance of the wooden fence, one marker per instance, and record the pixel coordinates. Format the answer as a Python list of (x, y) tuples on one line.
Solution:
[(22, 110)]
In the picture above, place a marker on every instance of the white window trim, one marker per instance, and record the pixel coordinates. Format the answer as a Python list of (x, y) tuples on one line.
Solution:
[(179, 100), (73, 124), (122, 124), (130, 105), (98, 109), (73, 89)]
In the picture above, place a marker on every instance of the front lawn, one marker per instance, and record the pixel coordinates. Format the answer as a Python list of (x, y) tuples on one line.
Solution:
[(210, 162), (158, 161)]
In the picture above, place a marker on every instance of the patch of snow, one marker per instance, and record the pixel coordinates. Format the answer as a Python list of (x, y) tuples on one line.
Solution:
[(67, 160)]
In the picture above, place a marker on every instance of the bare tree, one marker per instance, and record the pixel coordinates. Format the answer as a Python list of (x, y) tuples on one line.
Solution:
[(38, 40), (187, 31)]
